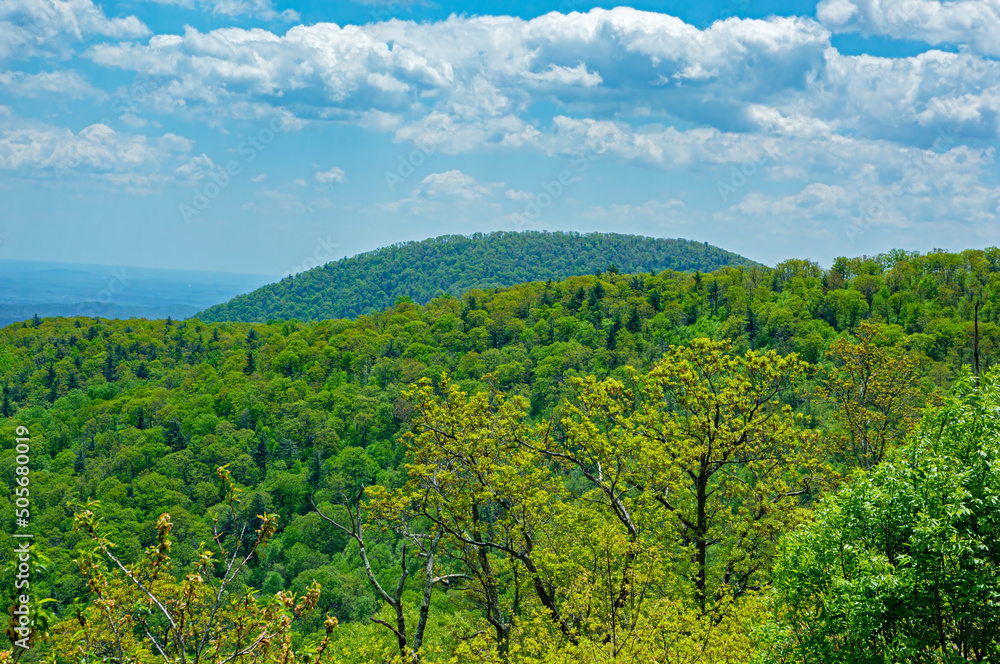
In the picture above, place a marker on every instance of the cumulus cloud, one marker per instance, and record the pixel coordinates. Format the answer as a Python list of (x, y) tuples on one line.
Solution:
[(519, 195), (129, 161), (772, 99), (452, 184), (459, 193), (910, 190), (471, 84), (65, 83), (332, 176), (98, 147), (30, 28), (973, 23), (193, 170), (474, 79), (260, 9)]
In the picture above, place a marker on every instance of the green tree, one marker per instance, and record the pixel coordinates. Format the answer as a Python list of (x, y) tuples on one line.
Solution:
[(142, 614), (873, 386), (904, 564)]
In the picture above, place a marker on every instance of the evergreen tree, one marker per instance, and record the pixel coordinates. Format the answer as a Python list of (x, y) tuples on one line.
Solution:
[(316, 470), (174, 436), (250, 365), (713, 296), (7, 410), (109, 365), (634, 324), (260, 452), (654, 299), (598, 292), (141, 371), (289, 450), (611, 341)]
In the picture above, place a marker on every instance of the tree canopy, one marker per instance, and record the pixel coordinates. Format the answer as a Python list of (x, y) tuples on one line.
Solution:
[(454, 264), (597, 467)]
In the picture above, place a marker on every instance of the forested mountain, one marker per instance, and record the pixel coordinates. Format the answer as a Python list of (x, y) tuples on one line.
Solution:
[(453, 264), (563, 534)]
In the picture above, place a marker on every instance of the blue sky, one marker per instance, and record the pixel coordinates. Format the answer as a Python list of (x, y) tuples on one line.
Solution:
[(266, 136)]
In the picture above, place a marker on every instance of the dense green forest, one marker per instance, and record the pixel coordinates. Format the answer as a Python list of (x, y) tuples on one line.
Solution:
[(600, 468), (454, 264)]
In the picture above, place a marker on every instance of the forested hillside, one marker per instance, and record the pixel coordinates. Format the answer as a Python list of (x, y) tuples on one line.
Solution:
[(454, 264), (521, 453)]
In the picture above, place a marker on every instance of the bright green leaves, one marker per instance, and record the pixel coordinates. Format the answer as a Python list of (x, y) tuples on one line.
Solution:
[(904, 564), (660, 495), (874, 388)]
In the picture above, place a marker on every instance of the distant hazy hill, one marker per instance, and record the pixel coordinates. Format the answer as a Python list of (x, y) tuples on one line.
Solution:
[(454, 264), (64, 289)]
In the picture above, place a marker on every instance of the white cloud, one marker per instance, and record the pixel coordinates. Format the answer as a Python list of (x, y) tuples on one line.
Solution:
[(472, 80), (470, 84), (175, 143), (260, 9), (260, 177), (975, 23), (458, 193), (519, 195), (97, 146), (773, 97), (193, 170), (64, 83), (128, 161), (334, 175), (918, 190), (451, 184), (556, 76), (30, 28)]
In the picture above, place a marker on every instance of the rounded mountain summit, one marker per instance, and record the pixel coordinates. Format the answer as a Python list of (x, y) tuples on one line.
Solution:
[(454, 264)]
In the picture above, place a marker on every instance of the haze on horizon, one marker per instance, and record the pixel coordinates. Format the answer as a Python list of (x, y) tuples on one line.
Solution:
[(265, 136)]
